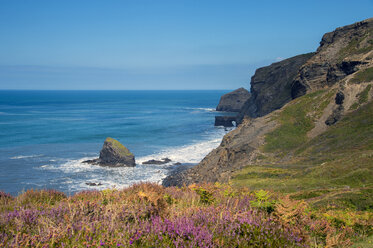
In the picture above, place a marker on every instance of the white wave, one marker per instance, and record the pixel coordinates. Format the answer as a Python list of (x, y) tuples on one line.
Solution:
[(107, 176), (27, 156), (76, 174), (202, 109), (192, 153)]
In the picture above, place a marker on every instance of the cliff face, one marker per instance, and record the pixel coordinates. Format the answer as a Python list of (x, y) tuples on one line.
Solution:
[(340, 54), (271, 87), (334, 82), (233, 101)]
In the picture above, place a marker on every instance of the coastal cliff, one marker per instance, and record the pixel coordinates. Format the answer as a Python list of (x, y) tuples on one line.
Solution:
[(341, 53), (271, 87), (330, 88)]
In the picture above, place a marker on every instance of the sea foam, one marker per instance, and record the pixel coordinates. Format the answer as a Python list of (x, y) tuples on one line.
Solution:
[(27, 156), (77, 174)]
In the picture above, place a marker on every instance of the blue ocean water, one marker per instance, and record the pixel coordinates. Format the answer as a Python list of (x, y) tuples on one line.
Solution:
[(45, 135)]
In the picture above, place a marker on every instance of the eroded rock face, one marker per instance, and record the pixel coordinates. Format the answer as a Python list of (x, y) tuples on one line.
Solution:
[(271, 87), (233, 101), (235, 151), (340, 54), (114, 154)]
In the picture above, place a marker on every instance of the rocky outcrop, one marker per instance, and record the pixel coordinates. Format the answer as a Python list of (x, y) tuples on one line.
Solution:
[(233, 101), (114, 154), (225, 121), (340, 54), (236, 150), (271, 87), (338, 111)]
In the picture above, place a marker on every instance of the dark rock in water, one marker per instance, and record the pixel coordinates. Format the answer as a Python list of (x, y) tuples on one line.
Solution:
[(114, 154), (153, 161), (225, 121), (233, 101), (177, 163), (94, 184)]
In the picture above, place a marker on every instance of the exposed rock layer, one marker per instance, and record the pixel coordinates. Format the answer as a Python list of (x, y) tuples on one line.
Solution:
[(340, 54), (271, 87)]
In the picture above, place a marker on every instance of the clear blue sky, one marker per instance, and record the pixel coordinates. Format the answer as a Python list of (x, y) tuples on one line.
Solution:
[(191, 44)]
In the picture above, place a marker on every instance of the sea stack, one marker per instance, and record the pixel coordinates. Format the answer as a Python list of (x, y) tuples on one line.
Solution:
[(233, 101), (114, 154)]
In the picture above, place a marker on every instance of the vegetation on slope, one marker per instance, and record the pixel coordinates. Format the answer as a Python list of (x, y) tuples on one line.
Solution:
[(342, 157), (363, 76), (358, 45), (333, 172), (296, 120), (149, 215)]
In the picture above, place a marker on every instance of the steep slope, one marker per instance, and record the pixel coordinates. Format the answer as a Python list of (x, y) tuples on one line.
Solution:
[(276, 138), (341, 53), (336, 167)]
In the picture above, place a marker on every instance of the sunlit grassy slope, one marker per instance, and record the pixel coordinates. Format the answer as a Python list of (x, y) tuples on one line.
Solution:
[(335, 167)]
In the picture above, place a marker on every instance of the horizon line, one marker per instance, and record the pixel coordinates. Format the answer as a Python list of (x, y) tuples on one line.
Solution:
[(114, 89)]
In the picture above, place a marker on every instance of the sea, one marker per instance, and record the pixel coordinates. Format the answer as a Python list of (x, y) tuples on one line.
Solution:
[(46, 135)]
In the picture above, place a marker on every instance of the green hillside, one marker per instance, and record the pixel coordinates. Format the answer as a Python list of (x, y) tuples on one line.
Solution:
[(340, 159)]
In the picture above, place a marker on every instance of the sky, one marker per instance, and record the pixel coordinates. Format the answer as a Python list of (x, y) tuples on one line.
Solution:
[(158, 45)]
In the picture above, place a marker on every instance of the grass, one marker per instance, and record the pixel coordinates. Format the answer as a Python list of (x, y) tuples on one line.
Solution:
[(357, 46), (332, 172), (296, 121), (367, 243), (121, 149), (340, 157), (362, 98), (365, 75)]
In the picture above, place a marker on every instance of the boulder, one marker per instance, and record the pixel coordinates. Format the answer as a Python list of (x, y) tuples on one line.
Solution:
[(114, 154), (233, 101), (93, 184)]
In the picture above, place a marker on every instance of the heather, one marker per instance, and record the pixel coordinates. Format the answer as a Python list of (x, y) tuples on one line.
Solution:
[(149, 215)]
